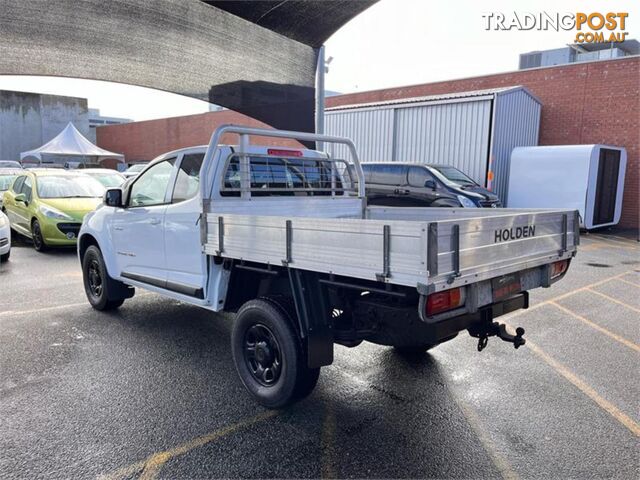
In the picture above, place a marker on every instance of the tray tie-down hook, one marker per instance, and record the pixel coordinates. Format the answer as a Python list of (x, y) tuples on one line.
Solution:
[(482, 331)]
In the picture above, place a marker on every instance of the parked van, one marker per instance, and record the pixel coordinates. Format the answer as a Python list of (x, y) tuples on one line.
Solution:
[(398, 184)]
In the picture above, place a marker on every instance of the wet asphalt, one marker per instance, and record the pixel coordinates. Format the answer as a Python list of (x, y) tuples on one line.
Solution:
[(150, 390)]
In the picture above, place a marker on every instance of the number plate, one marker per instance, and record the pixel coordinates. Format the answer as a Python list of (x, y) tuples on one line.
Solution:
[(505, 286)]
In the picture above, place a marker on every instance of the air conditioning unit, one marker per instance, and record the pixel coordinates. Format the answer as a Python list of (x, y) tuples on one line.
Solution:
[(588, 178)]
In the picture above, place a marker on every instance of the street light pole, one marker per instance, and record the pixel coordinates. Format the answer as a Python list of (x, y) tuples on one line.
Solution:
[(320, 72)]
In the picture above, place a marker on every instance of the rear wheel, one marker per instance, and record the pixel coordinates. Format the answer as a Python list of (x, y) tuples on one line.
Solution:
[(36, 235), (269, 355), (101, 290)]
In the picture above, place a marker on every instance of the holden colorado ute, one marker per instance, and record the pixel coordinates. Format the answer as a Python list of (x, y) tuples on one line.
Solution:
[(283, 237)]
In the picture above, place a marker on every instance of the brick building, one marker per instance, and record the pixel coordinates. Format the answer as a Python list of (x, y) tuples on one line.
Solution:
[(583, 103)]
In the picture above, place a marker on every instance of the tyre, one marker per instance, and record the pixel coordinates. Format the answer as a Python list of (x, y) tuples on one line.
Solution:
[(269, 355), (103, 292), (36, 235), (5, 257)]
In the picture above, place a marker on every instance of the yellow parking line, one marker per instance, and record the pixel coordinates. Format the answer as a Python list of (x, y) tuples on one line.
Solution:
[(476, 425), (154, 463), (613, 238), (153, 466), (610, 408), (568, 294), (58, 307), (43, 309), (328, 442), (630, 283), (614, 300), (595, 326), (501, 464)]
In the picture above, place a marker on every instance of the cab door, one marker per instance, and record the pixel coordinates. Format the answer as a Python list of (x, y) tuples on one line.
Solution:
[(10, 202), (138, 228), (422, 186), (185, 263), (21, 212)]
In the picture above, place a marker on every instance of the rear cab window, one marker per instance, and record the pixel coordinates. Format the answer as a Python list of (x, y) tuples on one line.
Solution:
[(286, 176)]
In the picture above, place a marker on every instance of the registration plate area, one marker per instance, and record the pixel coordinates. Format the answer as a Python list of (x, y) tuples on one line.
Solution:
[(505, 286)]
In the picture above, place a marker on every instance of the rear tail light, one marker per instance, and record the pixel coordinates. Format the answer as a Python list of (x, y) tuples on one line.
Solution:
[(443, 301), (558, 268)]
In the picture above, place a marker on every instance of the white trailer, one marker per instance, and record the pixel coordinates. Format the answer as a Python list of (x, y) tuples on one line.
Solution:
[(588, 178), (283, 237)]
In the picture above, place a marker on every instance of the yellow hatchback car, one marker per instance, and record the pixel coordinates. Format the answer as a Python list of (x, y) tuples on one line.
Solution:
[(48, 205)]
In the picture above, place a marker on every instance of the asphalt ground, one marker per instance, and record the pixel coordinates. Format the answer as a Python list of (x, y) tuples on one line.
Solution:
[(150, 391)]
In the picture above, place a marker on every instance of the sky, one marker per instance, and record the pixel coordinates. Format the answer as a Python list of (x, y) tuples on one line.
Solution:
[(393, 43)]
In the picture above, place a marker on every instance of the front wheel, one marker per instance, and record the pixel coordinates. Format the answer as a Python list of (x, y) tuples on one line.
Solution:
[(269, 355), (102, 291), (38, 239), (5, 257)]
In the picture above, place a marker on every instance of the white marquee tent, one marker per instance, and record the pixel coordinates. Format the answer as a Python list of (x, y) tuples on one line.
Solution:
[(70, 142)]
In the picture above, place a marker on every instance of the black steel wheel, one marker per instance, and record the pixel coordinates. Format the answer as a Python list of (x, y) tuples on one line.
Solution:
[(101, 290), (262, 354), (95, 278), (269, 355), (36, 236)]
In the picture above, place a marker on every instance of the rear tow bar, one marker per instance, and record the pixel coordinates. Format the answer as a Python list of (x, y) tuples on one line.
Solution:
[(482, 331)]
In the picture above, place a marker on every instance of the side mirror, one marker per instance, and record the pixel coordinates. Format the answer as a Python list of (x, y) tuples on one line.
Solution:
[(113, 198), (430, 184), (21, 197)]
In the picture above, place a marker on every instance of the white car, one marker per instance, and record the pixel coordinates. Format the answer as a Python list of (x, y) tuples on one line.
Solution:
[(5, 238)]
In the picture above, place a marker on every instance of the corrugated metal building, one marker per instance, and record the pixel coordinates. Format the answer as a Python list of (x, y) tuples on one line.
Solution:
[(473, 131)]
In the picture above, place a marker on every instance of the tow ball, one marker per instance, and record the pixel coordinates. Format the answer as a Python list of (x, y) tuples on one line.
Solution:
[(485, 330)]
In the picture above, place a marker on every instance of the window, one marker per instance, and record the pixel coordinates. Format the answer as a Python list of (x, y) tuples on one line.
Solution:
[(27, 188), (17, 185), (418, 176), (150, 187), (188, 177), (453, 176), (383, 174), (275, 176)]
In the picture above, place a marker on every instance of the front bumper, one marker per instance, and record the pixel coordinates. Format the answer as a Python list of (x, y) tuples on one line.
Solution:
[(60, 233), (5, 239)]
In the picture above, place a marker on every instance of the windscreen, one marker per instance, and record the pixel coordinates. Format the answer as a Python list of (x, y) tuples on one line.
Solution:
[(109, 180), (452, 175), (68, 186), (136, 168), (9, 164), (6, 181)]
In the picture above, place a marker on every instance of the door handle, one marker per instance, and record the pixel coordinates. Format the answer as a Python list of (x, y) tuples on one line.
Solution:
[(154, 221)]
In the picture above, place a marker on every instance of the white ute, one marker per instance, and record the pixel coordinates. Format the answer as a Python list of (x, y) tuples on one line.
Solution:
[(283, 237)]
